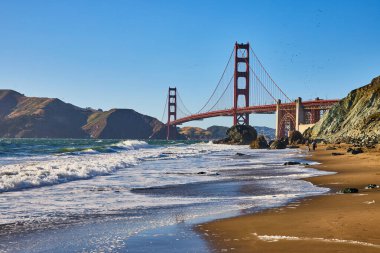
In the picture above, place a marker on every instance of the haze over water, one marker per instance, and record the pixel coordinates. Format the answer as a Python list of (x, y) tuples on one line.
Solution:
[(107, 194)]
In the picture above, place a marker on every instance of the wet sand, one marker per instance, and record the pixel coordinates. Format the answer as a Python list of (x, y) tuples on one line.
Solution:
[(329, 223)]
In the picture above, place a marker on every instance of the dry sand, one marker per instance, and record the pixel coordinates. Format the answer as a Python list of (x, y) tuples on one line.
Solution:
[(329, 223)]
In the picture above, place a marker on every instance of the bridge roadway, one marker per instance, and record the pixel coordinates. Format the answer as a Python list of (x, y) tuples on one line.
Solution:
[(318, 104)]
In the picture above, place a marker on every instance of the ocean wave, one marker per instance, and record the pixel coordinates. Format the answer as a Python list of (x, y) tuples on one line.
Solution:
[(88, 162), (82, 150), (84, 163), (131, 144), (106, 148), (60, 170)]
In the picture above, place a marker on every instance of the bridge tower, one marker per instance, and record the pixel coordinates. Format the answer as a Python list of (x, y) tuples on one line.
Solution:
[(241, 82), (172, 111)]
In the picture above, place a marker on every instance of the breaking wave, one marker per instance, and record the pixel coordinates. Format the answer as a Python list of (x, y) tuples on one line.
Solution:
[(131, 144), (105, 148), (84, 163), (71, 164)]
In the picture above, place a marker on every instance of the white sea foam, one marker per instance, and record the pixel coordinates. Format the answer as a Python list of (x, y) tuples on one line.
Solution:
[(132, 144), (275, 238), (137, 165), (60, 169), (64, 168)]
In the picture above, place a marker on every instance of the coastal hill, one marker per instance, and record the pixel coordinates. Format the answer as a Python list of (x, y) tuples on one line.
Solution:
[(355, 119), (122, 124), (219, 132), (36, 117), (196, 133), (24, 117)]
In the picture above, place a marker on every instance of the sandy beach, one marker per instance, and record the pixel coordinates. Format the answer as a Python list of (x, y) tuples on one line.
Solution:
[(329, 223)]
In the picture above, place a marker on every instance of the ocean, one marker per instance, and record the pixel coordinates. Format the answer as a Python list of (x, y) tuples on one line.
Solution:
[(135, 195)]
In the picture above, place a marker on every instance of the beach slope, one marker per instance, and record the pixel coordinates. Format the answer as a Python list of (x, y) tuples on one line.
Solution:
[(329, 223)]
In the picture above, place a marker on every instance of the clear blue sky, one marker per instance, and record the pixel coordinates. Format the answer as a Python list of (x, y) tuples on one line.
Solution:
[(125, 54)]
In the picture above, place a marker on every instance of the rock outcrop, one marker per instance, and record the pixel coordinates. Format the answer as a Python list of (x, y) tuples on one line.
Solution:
[(355, 119), (239, 135), (259, 143), (278, 144), (295, 137)]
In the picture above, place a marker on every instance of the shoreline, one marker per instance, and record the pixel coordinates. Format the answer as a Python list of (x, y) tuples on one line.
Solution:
[(167, 225), (326, 223)]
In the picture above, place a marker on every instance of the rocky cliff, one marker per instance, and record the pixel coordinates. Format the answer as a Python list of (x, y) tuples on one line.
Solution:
[(355, 119), (34, 117)]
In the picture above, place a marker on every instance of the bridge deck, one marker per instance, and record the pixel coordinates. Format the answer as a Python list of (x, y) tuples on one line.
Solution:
[(261, 109)]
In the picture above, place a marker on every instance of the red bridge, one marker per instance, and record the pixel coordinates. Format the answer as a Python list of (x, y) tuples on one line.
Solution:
[(245, 87)]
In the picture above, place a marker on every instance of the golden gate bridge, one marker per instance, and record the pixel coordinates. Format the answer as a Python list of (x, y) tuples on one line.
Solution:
[(245, 87)]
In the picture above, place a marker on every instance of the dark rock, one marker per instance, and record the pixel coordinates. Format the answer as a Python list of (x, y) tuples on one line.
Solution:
[(240, 154), (292, 163), (239, 135), (336, 153), (357, 151), (295, 137), (292, 146), (372, 186), (259, 143), (330, 148), (349, 190), (349, 150), (285, 140), (221, 141), (278, 144), (201, 173)]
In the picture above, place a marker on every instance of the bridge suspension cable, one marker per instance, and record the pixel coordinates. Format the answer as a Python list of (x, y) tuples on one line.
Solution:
[(219, 82), (263, 89), (222, 96), (266, 78), (181, 105), (165, 108)]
